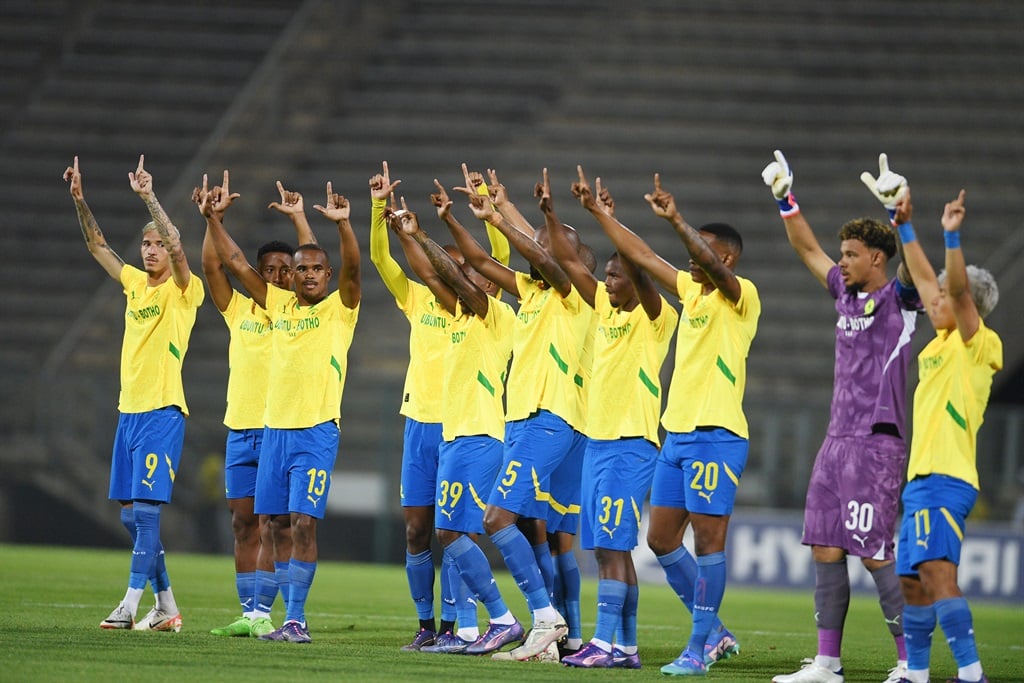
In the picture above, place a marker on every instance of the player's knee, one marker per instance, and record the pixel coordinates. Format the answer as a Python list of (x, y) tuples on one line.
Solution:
[(659, 543), (496, 519), (245, 528), (417, 535), (447, 536)]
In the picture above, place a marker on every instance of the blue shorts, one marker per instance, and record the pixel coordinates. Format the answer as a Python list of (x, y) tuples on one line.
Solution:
[(295, 470), (241, 458), (465, 472), (935, 510), (534, 447), (563, 513), (419, 462), (616, 478), (699, 471), (146, 454)]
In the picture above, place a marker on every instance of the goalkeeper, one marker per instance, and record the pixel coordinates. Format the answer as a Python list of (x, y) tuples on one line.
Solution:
[(853, 494)]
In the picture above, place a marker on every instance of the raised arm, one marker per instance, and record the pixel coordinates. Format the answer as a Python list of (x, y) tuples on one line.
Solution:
[(142, 183), (500, 250), (395, 279), (337, 210), (778, 176), (664, 205), (503, 204), (94, 239), (474, 298), (889, 188), (957, 287), (528, 247), (213, 270), (643, 284), (916, 261), (503, 276), (421, 265), (226, 248), (291, 205)]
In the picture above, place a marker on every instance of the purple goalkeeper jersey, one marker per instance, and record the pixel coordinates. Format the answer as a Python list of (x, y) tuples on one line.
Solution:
[(872, 352)]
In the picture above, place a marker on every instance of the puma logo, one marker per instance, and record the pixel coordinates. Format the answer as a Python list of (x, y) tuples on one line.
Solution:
[(706, 496), (314, 501), (923, 542), (448, 514), (148, 483), (610, 532), (859, 539), (504, 492)]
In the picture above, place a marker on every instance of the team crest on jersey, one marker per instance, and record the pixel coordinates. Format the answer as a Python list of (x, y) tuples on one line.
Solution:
[(869, 307)]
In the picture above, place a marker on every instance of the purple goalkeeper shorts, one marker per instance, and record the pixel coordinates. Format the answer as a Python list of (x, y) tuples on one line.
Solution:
[(854, 493)]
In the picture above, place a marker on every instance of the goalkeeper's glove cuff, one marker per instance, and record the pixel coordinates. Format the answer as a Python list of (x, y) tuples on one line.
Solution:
[(892, 217), (788, 206)]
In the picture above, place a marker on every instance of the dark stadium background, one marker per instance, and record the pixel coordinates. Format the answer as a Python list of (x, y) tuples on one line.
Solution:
[(321, 90)]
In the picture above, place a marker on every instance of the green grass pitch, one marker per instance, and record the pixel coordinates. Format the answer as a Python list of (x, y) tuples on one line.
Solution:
[(52, 600)]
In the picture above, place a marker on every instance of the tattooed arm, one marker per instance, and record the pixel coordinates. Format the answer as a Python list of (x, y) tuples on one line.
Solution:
[(142, 182), (94, 240)]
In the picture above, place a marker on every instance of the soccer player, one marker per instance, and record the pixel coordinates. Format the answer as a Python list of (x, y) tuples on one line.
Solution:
[(706, 443), (248, 359), (853, 493), (312, 332), (162, 300), (430, 326), (472, 420), (635, 326), (955, 374), (543, 414)]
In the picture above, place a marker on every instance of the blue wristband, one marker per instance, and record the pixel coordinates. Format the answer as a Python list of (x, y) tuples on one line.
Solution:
[(906, 231), (788, 206), (952, 239)]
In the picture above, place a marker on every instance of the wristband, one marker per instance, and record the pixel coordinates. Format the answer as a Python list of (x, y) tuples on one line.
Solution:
[(788, 206), (952, 239), (906, 231)]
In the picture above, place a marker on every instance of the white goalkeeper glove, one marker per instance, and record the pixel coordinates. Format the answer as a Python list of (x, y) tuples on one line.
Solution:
[(889, 188), (779, 178)]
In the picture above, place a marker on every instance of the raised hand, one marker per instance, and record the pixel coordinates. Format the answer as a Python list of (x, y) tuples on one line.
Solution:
[(889, 187), (290, 204), (953, 213), (473, 180), (499, 195), (581, 190), (381, 186), (662, 203), (441, 200), (604, 198), (543, 192), (404, 221), (203, 199), (141, 180), (904, 211), (73, 176), (778, 176), (222, 196), (337, 208), (481, 207)]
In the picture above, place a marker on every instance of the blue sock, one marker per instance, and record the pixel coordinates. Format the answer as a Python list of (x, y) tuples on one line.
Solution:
[(245, 584), (147, 544), (954, 616), (569, 571), (707, 598), (265, 590), (546, 565), (520, 562), (450, 585), (681, 573), (465, 603), (128, 522), (626, 635), (476, 572), (159, 578), (283, 584), (300, 578), (419, 569), (611, 595), (918, 626)]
